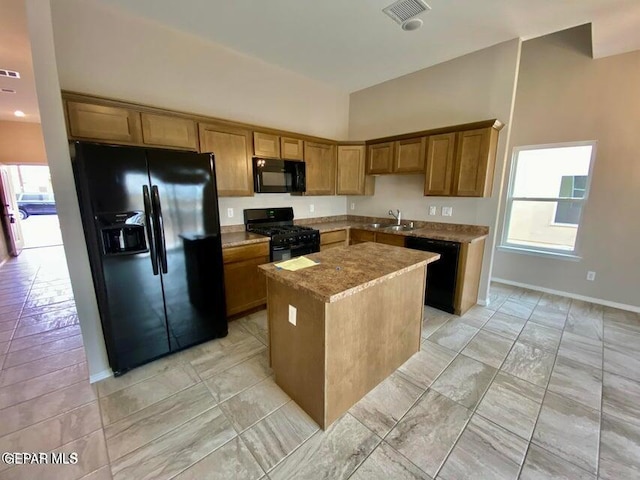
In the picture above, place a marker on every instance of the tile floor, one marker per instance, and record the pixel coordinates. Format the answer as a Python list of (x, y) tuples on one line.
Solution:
[(533, 387)]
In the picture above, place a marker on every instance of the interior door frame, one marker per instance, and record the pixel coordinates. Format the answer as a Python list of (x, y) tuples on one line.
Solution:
[(10, 221)]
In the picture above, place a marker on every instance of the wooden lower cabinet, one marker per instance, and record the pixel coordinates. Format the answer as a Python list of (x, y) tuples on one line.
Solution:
[(245, 285), (333, 239), (390, 239), (361, 236), (468, 276)]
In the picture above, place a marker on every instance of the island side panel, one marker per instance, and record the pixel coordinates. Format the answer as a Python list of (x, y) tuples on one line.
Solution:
[(297, 352), (369, 335)]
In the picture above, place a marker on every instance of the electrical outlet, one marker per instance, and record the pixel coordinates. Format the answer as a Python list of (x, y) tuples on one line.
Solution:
[(292, 315), (230, 212), (433, 210), (353, 205), (447, 211), (312, 208), (591, 276)]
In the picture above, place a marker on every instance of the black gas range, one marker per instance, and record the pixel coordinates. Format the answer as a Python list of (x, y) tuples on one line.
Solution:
[(287, 240)]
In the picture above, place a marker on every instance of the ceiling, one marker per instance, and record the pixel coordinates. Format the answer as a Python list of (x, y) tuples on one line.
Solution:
[(348, 44)]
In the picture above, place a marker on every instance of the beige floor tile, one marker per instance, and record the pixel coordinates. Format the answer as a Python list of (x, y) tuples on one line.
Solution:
[(426, 435), (226, 357), (550, 301), (45, 337), (231, 461), (621, 398), (477, 316), (619, 449), (8, 324), (543, 465), (516, 309), (548, 317), (146, 425), (425, 366), (485, 450), (622, 337), (433, 319), (540, 336), (453, 336), (257, 324), (54, 432), (569, 430), (622, 361), (382, 408), (103, 473), (581, 349), (585, 319), (40, 408), (6, 336), (578, 382), (41, 351), (464, 381), (143, 394), (276, 436), (42, 366), (488, 348), (236, 379), (35, 387), (333, 454), (513, 404), (254, 404), (386, 464), (176, 451), (530, 363), (505, 325), (523, 295)]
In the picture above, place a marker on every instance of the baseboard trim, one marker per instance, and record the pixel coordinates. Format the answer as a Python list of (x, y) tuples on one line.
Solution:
[(599, 301), (483, 302), (96, 377)]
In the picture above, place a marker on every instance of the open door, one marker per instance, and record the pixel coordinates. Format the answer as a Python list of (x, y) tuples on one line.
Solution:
[(10, 224)]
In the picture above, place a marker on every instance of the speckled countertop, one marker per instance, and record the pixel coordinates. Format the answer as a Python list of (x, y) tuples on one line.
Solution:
[(236, 239), (344, 271)]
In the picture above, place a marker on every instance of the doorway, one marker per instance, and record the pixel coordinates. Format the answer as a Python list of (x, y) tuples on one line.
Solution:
[(36, 208)]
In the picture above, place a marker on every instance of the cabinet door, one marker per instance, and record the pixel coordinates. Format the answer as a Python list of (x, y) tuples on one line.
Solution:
[(320, 160), (98, 122), (245, 285), (439, 172), (380, 158), (333, 239), (351, 178), (266, 145), (167, 131), (474, 164), (291, 148), (409, 155), (390, 239), (361, 236), (232, 149)]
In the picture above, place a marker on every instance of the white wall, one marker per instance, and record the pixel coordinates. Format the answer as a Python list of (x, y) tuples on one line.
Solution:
[(478, 86), (57, 153), (564, 95)]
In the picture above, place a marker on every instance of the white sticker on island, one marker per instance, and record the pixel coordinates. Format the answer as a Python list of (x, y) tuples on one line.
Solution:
[(292, 315)]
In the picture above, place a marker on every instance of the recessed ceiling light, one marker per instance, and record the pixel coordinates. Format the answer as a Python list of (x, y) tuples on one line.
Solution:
[(413, 24), (19, 113)]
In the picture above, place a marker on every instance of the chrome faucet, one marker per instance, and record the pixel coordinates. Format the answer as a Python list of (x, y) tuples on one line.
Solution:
[(397, 216)]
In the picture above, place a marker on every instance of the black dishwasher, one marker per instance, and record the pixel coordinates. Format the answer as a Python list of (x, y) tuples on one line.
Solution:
[(441, 274)]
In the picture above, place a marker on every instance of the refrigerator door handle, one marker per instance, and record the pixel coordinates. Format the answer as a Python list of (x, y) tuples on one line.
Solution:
[(150, 227), (162, 247)]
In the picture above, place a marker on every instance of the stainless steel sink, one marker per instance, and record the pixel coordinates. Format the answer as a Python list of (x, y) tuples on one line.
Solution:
[(377, 225), (400, 228)]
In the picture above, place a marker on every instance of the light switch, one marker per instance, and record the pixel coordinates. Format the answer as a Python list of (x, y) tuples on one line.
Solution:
[(353, 205), (312, 208), (292, 315), (447, 211), (230, 212), (433, 210), (591, 276)]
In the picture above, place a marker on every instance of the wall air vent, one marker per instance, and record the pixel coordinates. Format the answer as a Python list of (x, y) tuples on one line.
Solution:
[(7, 90), (9, 73), (403, 10)]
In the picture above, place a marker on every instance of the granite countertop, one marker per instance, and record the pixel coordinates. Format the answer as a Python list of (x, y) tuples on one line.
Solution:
[(344, 271), (236, 239)]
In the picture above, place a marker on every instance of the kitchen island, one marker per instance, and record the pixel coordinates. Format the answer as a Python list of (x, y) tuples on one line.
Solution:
[(339, 328)]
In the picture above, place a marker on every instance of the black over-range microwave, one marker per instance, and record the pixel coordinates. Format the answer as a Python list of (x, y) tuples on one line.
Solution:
[(278, 176)]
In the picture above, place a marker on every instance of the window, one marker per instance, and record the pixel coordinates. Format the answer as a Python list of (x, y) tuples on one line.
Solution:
[(548, 189)]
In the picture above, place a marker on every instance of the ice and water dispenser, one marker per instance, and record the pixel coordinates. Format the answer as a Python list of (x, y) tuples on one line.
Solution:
[(122, 233)]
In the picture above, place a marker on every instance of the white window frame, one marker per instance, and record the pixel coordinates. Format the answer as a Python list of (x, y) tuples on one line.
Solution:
[(531, 249)]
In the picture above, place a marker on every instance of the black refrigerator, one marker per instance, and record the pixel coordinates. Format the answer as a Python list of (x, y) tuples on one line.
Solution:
[(152, 227)]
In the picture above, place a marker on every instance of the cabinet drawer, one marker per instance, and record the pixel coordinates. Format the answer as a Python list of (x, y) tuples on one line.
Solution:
[(333, 237), (360, 236), (245, 252), (390, 239), (167, 131)]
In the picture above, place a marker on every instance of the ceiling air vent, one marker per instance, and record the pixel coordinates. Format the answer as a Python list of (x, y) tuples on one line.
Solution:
[(7, 90), (403, 10), (9, 73)]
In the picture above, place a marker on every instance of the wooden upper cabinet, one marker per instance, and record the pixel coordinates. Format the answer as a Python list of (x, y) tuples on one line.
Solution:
[(380, 158), (102, 123), (409, 155), (232, 149), (351, 178), (266, 145), (291, 148), (475, 162), (320, 161), (168, 131), (439, 169)]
